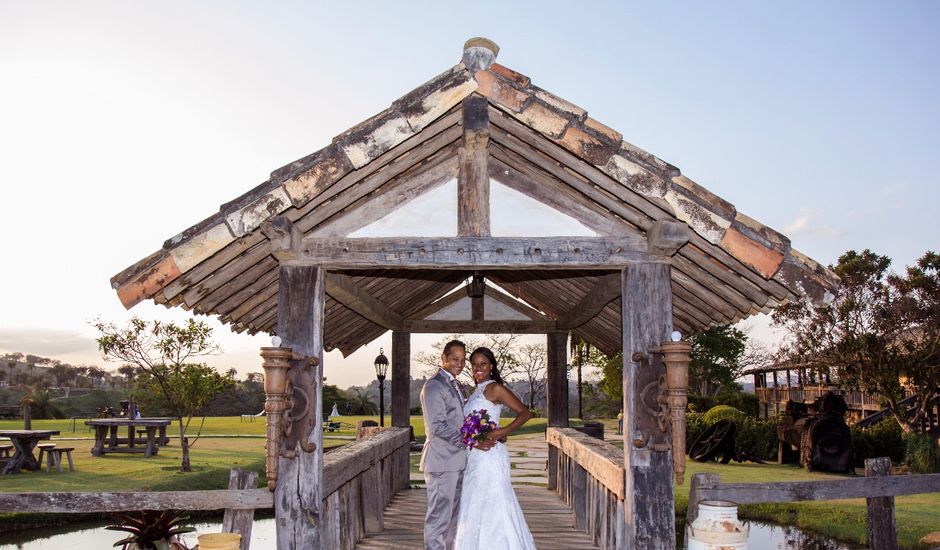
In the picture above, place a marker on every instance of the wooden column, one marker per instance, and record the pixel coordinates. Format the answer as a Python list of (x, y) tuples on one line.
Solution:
[(556, 395), (473, 178), (558, 379), (649, 507), (401, 379), (298, 497)]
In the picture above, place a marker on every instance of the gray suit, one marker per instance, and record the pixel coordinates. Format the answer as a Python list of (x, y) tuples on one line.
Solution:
[(443, 459)]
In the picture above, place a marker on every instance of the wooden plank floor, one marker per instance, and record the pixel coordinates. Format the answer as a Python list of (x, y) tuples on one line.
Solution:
[(551, 522)]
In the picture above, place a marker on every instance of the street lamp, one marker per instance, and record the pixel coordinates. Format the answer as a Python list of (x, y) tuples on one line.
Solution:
[(381, 368)]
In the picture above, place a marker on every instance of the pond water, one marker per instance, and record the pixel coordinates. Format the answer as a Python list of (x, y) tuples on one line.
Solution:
[(93, 536)]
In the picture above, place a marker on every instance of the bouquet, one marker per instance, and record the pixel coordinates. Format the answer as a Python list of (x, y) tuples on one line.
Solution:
[(476, 426)]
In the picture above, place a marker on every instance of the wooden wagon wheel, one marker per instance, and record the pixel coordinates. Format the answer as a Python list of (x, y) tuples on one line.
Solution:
[(717, 441)]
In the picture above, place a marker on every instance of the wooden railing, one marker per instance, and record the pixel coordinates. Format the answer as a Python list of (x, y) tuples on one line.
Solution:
[(878, 487), (806, 394), (359, 481), (588, 475)]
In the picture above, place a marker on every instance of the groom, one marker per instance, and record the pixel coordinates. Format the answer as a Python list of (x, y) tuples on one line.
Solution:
[(444, 456)]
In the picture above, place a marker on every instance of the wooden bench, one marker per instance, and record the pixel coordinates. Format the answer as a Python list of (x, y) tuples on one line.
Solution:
[(45, 449), (332, 426), (56, 455)]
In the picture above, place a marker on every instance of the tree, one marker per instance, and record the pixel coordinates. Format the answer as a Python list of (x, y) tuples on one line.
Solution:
[(532, 360), (361, 401), (96, 374), (716, 358), (503, 347), (40, 403), (162, 352), (880, 333), (129, 372), (61, 373)]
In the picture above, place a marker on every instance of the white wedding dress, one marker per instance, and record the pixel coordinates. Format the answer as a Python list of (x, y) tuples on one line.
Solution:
[(490, 516)]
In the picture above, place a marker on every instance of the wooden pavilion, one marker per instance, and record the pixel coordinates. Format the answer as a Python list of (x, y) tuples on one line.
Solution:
[(666, 254)]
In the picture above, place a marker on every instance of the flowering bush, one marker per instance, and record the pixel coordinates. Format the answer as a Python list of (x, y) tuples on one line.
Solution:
[(476, 426)]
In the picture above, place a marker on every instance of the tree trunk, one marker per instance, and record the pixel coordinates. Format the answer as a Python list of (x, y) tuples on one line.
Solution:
[(184, 445)]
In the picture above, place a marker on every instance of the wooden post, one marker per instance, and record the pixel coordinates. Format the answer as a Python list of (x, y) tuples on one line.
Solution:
[(649, 507), (557, 395), (699, 482), (882, 529), (298, 496), (401, 379), (27, 417), (558, 379), (473, 178), (239, 521)]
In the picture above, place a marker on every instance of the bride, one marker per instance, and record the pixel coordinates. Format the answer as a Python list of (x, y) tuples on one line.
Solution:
[(490, 516)]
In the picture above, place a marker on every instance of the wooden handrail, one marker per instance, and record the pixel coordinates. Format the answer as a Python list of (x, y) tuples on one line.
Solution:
[(793, 491), (65, 503), (601, 460), (347, 462)]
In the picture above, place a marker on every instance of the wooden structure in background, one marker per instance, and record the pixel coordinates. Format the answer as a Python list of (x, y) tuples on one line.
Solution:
[(666, 254)]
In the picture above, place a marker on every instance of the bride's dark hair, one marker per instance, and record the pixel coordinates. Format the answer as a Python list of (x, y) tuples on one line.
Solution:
[(486, 352)]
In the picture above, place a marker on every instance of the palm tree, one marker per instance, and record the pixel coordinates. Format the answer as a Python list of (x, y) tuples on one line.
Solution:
[(12, 366), (40, 403), (362, 402)]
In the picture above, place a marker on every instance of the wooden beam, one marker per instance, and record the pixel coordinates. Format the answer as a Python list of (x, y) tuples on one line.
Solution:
[(667, 236), (473, 179), (470, 252), (513, 171), (425, 176), (298, 496), (477, 327), (344, 290), (71, 503), (605, 291), (401, 379), (649, 508)]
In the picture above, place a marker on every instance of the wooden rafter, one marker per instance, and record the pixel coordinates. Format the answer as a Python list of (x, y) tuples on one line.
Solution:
[(344, 290), (605, 291)]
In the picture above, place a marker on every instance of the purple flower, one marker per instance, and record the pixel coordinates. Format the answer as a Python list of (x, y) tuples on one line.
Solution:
[(476, 426)]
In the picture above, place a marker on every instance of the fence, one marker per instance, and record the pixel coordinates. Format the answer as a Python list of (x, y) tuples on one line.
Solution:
[(878, 487)]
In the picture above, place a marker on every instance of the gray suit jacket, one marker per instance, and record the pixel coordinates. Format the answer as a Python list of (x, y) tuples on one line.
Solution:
[(442, 407)]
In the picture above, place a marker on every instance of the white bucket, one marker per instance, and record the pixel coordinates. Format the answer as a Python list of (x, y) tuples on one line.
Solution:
[(716, 527)]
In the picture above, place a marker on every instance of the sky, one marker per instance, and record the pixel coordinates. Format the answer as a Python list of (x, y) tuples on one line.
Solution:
[(121, 124)]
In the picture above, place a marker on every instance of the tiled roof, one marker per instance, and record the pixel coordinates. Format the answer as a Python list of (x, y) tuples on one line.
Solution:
[(733, 266)]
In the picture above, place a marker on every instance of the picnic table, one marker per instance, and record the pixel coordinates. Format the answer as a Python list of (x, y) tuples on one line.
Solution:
[(24, 441), (107, 440)]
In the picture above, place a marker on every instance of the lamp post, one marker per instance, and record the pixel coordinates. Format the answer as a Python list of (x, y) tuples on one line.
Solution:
[(381, 368)]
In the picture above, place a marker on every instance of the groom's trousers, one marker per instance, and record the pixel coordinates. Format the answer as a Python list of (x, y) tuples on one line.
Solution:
[(440, 524)]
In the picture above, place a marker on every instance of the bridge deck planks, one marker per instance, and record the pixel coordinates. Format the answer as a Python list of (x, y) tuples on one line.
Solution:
[(551, 522)]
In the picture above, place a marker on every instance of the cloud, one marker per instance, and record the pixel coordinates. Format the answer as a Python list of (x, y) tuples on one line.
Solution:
[(805, 224), (47, 342)]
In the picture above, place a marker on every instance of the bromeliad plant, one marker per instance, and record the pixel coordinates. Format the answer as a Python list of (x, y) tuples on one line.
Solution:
[(151, 529)]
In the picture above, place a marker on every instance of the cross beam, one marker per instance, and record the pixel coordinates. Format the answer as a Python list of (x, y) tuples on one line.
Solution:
[(466, 252), (605, 291)]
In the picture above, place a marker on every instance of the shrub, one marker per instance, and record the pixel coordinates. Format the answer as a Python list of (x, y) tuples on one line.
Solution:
[(748, 403), (720, 412), (694, 425), (922, 453), (883, 439), (755, 439)]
